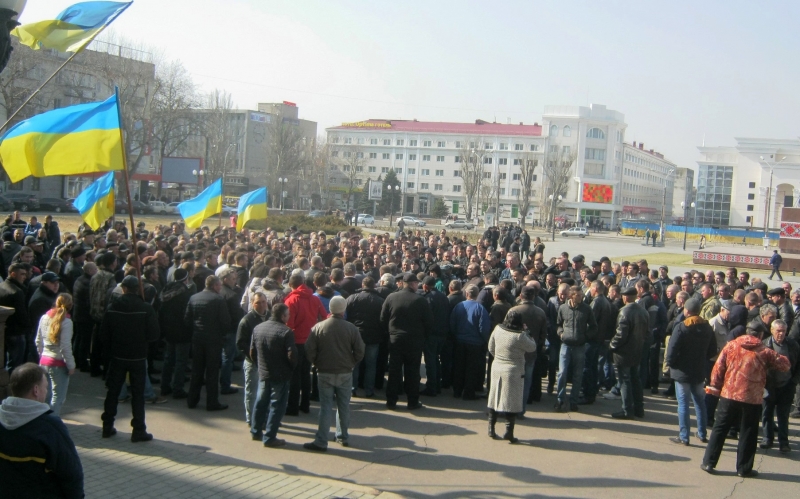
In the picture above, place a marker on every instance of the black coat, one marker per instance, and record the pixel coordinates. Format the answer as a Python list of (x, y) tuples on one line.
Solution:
[(407, 315), (244, 333), (606, 316), (128, 327), (691, 347), (364, 311), (208, 316), (440, 309), (12, 295), (42, 300), (174, 300), (233, 298), (632, 331), (81, 304)]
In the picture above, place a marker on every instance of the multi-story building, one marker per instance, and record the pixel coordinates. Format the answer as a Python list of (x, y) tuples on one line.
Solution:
[(647, 184), (683, 192), (746, 185)]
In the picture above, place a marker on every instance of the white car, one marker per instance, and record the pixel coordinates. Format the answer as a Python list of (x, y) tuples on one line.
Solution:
[(173, 207), (409, 220), (575, 231), (160, 207), (459, 224), (365, 220)]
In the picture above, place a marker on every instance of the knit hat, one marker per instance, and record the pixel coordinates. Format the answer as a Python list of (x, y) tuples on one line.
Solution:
[(337, 305)]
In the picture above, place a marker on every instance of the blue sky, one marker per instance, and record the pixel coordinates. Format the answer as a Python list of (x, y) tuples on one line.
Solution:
[(679, 71)]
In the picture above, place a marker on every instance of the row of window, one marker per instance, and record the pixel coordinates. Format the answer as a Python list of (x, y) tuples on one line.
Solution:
[(503, 146), (592, 133)]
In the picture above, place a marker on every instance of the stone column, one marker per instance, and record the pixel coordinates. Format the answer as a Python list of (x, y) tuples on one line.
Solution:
[(5, 312)]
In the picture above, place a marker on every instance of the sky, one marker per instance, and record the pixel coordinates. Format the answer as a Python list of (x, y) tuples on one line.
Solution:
[(682, 72)]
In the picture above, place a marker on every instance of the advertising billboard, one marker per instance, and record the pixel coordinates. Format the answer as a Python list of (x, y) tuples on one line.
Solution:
[(598, 193), (179, 170)]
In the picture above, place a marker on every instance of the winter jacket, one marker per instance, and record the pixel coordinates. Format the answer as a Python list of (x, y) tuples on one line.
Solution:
[(440, 309), (100, 288), (406, 314), (12, 295), (759, 326), (325, 294), (470, 323), (606, 317), (61, 351), (244, 333), (128, 327), (232, 297), (740, 372), (81, 304), (37, 455), (305, 310), (334, 346), (709, 308), (632, 332), (535, 322), (42, 300), (791, 350), (576, 325), (174, 300), (364, 311), (208, 317), (274, 350), (691, 347)]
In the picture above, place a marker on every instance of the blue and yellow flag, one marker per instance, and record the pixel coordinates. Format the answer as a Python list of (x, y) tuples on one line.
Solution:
[(96, 203), (205, 205), (252, 206), (74, 140), (71, 30)]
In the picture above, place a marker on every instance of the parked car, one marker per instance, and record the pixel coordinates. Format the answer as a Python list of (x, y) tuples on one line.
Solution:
[(139, 208), (316, 213), (23, 201), (365, 220), (575, 231), (173, 207), (71, 204), (227, 211), (54, 204), (6, 204), (159, 207), (459, 224), (409, 220)]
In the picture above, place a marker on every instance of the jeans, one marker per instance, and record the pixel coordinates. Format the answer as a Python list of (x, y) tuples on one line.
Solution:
[(779, 401), (776, 270), (117, 370), (630, 388), (15, 352), (174, 372), (433, 367), (58, 383), (250, 387), (570, 358), (526, 389), (553, 352), (605, 369), (685, 392), (340, 385), (731, 413), (370, 363), (228, 354), (149, 393), (270, 406), (590, 371)]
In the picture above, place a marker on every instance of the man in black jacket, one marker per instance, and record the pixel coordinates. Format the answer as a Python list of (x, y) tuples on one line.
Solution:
[(408, 318), (174, 299), (82, 317), (606, 316), (208, 316), (128, 327), (627, 346), (780, 388), (364, 311), (41, 301), (244, 335), (575, 325), (12, 295), (232, 294), (434, 343)]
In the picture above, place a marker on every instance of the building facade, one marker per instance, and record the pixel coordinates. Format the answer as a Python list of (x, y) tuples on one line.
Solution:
[(683, 193), (746, 185)]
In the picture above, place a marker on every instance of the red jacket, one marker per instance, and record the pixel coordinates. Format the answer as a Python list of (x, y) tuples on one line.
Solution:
[(740, 373), (305, 310)]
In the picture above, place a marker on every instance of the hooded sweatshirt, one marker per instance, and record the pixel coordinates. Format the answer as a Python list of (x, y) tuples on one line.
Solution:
[(37, 456)]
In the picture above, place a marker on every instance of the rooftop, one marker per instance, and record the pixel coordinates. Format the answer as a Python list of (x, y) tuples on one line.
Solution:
[(480, 127)]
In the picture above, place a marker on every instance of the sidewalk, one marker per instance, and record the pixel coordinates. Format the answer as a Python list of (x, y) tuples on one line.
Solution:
[(116, 467)]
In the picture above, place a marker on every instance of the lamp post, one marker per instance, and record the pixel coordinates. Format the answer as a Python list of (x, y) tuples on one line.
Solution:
[(391, 189), (578, 198), (554, 200), (200, 177), (222, 187), (768, 196), (282, 181), (664, 203), (685, 224)]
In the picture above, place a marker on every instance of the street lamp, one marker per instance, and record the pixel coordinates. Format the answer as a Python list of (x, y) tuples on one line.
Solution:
[(768, 196), (664, 201), (554, 200), (392, 188), (282, 181), (579, 196), (685, 224), (199, 174)]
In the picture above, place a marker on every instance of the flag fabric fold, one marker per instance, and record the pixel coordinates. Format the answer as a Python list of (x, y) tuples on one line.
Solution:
[(207, 204), (74, 140), (71, 30), (252, 206), (96, 203)]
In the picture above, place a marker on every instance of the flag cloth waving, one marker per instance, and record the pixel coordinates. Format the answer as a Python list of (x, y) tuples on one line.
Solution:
[(73, 29), (252, 206), (74, 140), (96, 203), (208, 203)]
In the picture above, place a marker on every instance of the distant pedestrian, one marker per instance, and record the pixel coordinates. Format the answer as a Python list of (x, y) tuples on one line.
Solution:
[(775, 261), (702, 241)]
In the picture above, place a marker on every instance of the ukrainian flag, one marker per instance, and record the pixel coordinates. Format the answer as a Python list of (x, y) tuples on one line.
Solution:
[(96, 203), (74, 140), (73, 29), (207, 204), (252, 206)]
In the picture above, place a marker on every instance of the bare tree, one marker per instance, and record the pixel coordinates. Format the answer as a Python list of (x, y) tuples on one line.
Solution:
[(557, 171), (23, 74), (351, 162), (527, 163), (289, 153), (217, 131), (319, 172), (471, 156)]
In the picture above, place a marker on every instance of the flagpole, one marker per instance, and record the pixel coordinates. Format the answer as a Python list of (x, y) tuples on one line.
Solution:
[(128, 196), (39, 89)]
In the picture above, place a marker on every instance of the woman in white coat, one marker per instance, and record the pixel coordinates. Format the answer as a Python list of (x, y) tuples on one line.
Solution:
[(54, 342)]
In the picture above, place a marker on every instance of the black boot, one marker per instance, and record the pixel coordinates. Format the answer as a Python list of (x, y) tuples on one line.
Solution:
[(492, 423), (511, 420)]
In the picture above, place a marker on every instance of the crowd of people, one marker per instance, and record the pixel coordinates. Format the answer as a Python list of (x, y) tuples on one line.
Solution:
[(324, 317)]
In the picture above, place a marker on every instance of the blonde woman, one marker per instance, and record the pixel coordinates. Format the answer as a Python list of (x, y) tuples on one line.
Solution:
[(54, 342)]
